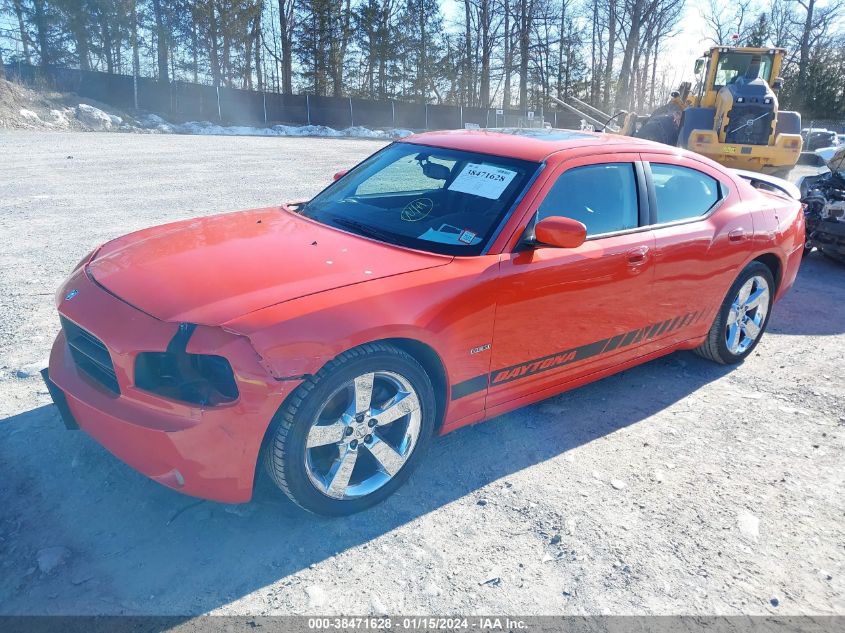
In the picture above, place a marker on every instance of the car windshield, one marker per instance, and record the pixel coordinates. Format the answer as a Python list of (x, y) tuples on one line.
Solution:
[(732, 66), (428, 198)]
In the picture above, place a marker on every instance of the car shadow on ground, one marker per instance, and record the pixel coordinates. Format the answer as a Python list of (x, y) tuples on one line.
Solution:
[(132, 542), (128, 545)]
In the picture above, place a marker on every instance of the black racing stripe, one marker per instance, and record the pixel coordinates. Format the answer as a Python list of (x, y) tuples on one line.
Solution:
[(629, 338), (674, 323), (573, 355), (479, 383), (641, 335), (545, 363), (613, 343), (653, 331), (663, 326), (590, 349)]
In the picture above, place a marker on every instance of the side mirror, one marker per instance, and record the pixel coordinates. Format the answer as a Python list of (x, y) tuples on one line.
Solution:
[(560, 232), (340, 174), (699, 66)]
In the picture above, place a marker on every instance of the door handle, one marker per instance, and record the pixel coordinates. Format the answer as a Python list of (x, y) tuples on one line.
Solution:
[(637, 256), (737, 235)]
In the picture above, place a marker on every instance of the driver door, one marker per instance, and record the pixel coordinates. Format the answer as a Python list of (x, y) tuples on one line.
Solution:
[(564, 313)]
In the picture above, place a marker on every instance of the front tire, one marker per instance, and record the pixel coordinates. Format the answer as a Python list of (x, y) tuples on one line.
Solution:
[(349, 436), (742, 317)]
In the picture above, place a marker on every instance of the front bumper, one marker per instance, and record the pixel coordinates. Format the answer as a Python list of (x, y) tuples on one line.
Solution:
[(208, 452), (784, 153)]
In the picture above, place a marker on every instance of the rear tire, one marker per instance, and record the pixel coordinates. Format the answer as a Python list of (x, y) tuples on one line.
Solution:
[(350, 435), (742, 317)]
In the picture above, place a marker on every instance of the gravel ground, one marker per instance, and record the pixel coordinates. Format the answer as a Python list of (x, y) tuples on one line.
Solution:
[(678, 487)]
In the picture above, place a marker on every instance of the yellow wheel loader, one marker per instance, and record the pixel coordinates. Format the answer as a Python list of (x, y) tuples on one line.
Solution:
[(730, 116)]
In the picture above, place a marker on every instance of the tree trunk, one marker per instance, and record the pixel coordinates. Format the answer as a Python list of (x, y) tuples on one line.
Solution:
[(486, 52), (286, 24), (105, 30), (804, 50), (161, 42), (195, 46), (611, 45), (136, 59), (525, 9), (624, 84), (506, 99), (41, 30), (653, 72), (214, 52), (340, 51), (257, 31), (22, 28)]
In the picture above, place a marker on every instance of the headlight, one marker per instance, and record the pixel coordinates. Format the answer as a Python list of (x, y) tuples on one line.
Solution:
[(196, 378)]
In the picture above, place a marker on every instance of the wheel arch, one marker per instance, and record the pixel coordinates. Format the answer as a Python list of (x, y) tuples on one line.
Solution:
[(433, 365), (773, 262), (423, 353)]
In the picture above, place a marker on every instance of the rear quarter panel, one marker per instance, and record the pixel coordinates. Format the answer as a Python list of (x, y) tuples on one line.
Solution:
[(779, 230)]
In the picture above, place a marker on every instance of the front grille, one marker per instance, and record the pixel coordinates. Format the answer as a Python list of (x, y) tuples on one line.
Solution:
[(90, 355), (739, 130)]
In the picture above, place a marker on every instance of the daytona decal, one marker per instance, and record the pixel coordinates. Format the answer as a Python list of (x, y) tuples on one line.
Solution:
[(567, 357)]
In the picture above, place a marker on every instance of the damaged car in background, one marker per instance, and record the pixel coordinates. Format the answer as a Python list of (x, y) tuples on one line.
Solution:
[(824, 197)]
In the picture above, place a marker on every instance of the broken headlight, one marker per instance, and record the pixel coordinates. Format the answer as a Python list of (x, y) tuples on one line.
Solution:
[(195, 378)]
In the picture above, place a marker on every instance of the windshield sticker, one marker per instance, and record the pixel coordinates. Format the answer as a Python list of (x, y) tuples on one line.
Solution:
[(448, 234), (482, 180), (417, 209), (466, 236)]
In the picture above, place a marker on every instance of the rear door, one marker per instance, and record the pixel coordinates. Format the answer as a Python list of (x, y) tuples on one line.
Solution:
[(703, 235), (566, 312)]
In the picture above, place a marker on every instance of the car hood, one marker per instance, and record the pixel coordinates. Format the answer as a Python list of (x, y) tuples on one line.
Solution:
[(211, 270)]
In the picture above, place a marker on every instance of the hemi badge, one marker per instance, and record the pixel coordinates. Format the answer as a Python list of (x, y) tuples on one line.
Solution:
[(480, 348)]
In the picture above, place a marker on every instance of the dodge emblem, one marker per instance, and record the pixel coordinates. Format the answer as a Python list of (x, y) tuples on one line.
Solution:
[(71, 294)]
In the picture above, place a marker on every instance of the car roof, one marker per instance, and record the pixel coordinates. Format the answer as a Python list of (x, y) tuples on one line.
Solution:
[(533, 144)]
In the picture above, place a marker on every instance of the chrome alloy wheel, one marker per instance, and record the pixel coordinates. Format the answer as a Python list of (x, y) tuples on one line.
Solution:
[(363, 435), (747, 315)]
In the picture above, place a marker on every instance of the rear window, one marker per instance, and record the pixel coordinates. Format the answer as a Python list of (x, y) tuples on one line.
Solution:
[(682, 193)]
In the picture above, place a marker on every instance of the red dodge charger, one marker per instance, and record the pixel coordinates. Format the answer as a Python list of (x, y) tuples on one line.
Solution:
[(448, 278)]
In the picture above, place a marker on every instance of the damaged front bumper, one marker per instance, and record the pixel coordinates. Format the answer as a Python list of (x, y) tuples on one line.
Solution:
[(201, 450)]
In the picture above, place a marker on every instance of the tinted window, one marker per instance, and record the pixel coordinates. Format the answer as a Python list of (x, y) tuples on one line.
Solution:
[(603, 197), (682, 193)]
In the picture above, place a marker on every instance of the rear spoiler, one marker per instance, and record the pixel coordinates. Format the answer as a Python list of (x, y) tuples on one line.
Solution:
[(769, 183)]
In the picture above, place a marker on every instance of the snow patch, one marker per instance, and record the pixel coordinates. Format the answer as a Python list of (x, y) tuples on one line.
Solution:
[(59, 118), (30, 115), (93, 118), (153, 122)]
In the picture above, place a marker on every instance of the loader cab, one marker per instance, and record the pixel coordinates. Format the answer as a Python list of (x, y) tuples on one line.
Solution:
[(725, 66), (737, 67)]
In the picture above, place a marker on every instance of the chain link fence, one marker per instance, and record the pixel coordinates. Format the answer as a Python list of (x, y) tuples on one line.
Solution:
[(180, 101)]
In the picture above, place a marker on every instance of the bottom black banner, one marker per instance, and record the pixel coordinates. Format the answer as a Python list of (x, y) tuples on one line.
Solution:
[(305, 624)]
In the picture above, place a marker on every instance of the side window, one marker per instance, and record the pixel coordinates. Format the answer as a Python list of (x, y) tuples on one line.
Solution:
[(682, 193), (603, 197)]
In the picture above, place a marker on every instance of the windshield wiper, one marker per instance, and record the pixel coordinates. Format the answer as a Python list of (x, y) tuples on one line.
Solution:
[(364, 229)]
